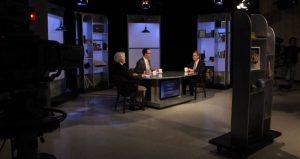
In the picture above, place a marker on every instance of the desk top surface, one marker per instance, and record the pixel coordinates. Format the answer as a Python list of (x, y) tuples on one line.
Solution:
[(170, 75)]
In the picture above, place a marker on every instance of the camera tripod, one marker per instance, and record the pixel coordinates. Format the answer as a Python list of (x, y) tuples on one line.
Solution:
[(23, 119)]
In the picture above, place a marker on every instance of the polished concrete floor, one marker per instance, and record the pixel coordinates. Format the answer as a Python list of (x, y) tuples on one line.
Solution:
[(93, 130)]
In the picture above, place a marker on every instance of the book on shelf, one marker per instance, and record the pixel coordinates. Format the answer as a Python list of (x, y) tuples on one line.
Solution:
[(255, 58), (99, 28), (201, 33)]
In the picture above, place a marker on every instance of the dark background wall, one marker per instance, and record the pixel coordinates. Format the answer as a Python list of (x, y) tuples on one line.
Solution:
[(178, 24), (285, 20)]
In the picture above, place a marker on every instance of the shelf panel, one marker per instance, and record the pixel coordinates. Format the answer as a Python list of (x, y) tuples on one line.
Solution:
[(100, 66), (270, 54), (254, 92), (98, 40), (206, 37), (257, 70), (99, 52), (100, 32), (259, 39)]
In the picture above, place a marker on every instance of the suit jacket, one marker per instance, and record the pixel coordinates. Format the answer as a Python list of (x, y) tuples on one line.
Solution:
[(121, 70), (200, 69), (140, 66), (124, 76)]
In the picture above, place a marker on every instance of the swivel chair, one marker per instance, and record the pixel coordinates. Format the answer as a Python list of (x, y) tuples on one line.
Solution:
[(200, 83), (128, 89)]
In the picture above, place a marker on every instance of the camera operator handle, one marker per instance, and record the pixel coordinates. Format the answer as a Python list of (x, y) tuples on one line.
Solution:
[(59, 62)]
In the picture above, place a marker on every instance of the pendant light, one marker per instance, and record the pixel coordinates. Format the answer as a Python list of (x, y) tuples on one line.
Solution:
[(82, 2), (61, 27), (145, 30), (145, 4), (218, 2)]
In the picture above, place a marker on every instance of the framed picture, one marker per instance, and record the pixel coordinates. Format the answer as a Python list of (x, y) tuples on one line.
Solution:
[(255, 58)]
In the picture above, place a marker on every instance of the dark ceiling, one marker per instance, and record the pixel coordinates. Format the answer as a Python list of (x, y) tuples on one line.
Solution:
[(157, 6)]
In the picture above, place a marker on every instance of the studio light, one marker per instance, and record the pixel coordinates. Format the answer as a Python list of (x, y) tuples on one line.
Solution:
[(145, 30), (32, 16), (61, 27), (244, 5), (82, 2), (145, 4), (218, 2)]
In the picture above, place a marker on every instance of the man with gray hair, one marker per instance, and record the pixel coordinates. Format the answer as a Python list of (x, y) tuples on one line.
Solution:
[(121, 70)]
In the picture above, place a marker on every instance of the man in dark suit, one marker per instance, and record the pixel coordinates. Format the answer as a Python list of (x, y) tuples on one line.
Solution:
[(143, 65), (198, 66), (123, 73)]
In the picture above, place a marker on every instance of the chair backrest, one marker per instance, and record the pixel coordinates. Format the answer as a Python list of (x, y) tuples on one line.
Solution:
[(201, 83), (125, 87), (201, 78)]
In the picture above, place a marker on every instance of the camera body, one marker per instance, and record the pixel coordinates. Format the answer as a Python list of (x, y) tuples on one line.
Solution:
[(25, 63), (26, 60)]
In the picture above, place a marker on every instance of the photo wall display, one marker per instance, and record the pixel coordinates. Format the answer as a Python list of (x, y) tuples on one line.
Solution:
[(255, 58)]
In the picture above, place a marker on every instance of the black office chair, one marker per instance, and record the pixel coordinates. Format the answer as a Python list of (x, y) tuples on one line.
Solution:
[(200, 83), (128, 89)]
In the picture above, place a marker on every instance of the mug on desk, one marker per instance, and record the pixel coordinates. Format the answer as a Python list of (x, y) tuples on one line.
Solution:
[(160, 70), (154, 73), (186, 69)]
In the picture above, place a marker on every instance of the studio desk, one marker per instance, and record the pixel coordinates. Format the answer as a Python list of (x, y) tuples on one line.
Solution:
[(166, 89)]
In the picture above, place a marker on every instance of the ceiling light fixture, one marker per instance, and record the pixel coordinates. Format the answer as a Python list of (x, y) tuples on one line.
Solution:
[(218, 2), (145, 4), (145, 30), (61, 27), (82, 2), (244, 5)]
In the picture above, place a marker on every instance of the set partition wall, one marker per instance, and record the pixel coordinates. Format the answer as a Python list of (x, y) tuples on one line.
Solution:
[(143, 32), (55, 19), (253, 74), (213, 42)]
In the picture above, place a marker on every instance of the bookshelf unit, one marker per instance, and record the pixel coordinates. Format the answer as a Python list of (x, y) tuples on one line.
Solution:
[(92, 33), (252, 86), (213, 42)]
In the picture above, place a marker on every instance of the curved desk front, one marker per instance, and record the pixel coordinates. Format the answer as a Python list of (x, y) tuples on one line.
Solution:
[(166, 89)]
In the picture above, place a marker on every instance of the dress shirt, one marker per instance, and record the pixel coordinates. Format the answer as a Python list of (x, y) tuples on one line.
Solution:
[(195, 65), (147, 64)]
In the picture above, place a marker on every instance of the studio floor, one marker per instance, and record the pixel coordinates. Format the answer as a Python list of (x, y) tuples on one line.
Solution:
[(93, 130)]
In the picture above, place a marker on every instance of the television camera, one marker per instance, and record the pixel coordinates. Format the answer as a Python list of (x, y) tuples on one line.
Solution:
[(25, 63)]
